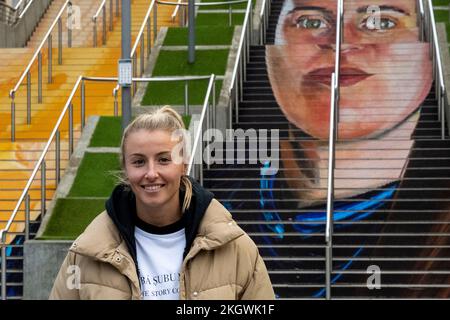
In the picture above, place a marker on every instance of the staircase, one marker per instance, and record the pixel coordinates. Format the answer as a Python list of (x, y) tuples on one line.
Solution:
[(391, 190), (18, 159)]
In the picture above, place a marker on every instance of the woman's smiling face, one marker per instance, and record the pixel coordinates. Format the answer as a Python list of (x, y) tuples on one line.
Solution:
[(152, 173), (385, 70)]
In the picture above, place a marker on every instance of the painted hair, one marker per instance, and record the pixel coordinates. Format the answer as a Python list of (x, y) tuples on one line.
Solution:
[(288, 5), (166, 119)]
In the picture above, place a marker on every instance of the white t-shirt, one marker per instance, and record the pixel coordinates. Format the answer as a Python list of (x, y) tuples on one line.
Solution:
[(159, 259)]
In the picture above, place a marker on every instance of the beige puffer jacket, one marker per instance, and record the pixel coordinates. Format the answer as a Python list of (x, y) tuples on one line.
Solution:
[(222, 263)]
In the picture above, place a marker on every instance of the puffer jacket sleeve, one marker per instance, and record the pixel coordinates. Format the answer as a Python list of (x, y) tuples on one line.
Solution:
[(64, 287), (259, 286)]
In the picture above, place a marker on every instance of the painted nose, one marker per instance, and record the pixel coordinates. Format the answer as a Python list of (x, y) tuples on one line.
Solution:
[(348, 48)]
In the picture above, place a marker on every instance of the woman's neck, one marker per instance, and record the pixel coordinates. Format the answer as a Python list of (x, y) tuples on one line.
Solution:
[(161, 216)]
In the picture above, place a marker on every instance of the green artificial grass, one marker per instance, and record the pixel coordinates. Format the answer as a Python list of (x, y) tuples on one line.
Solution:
[(174, 63), (222, 7), (218, 19), (95, 176), (441, 2), (108, 132), (211, 35), (187, 120), (159, 93), (70, 217), (441, 16)]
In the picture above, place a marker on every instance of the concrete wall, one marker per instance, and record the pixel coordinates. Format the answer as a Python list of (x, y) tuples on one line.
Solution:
[(42, 260), (18, 35)]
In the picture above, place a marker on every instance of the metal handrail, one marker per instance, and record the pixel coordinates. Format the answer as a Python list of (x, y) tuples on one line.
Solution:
[(141, 30), (38, 55), (437, 66), (27, 5), (241, 63), (102, 9), (140, 40), (264, 20), (199, 4), (330, 190), (175, 11), (40, 165), (334, 119), (16, 12), (41, 158), (40, 46), (205, 114), (421, 20), (16, 7)]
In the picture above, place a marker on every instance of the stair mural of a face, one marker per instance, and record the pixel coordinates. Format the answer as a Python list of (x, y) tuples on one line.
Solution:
[(375, 66), (385, 141), (385, 74)]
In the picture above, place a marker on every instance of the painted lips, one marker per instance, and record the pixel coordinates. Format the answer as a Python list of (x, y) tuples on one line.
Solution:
[(348, 76)]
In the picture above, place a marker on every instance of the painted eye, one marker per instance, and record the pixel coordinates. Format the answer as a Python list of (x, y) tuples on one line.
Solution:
[(384, 24), (387, 23), (311, 23)]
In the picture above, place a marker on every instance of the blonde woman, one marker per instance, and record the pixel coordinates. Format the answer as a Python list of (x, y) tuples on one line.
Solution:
[(162, 235)]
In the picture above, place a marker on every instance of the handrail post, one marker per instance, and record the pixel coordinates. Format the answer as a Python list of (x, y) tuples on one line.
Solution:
[(142, 53), (95, 32), (250, 24), (104, 25), (111, 15), (57, 157), (442, 105), (28, 97), (208, 137), (186, 98), (49, 59), (3, 243), (27, 217), (134, 72), (69, 25), (230, 15), (43, 185), (149, 37), (155, 21), (330, 192), (13, 118), (40, 77), (182, 16), (214, 105), (83, 104), (59, 41), (70, 129), (116, 103)]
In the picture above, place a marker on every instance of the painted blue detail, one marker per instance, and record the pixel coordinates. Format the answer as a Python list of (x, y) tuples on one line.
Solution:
[(321, 293)]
